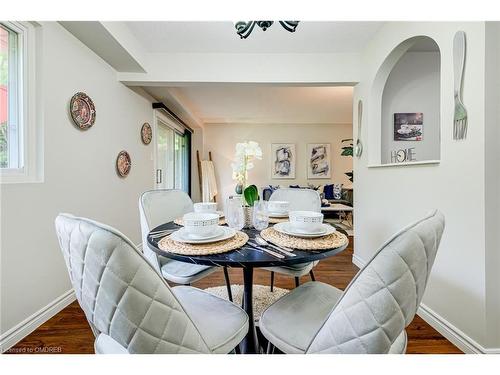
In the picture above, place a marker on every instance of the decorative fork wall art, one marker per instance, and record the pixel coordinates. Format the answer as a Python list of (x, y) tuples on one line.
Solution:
[(460, 115)]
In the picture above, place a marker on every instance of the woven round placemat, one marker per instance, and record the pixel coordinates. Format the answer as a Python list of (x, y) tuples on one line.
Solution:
[(330, 241), (179, 221), (276, 220), (182, 248)]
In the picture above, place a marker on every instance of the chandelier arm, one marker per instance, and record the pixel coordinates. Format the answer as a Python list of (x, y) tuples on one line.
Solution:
[(289, 25), (244, 29)]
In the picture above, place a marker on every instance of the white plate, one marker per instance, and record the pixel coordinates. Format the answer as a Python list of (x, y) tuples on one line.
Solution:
[(182, 236), (286, 228), (278, 214), (197, 237)]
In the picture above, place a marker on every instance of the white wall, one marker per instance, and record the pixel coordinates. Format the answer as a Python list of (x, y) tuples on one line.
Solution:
[(222, 138), (80, 176), (176, 68), (456, 291), (492, 182), (196, 144), (413, 86)]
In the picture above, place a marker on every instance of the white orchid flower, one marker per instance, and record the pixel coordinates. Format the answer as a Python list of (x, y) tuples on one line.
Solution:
[(253, 149), (245, 152)]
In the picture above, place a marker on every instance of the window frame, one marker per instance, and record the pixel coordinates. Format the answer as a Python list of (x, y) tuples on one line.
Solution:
[(30, 117)]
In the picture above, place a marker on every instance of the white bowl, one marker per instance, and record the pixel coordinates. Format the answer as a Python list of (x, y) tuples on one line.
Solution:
[(279, 207), (306, 221), (205, 207), (200, 224)]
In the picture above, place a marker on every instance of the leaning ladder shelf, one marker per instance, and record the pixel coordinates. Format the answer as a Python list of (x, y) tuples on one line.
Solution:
[(198, 159)]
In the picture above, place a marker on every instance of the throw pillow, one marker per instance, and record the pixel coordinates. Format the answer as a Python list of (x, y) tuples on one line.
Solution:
[(328, 191), (337, 191)]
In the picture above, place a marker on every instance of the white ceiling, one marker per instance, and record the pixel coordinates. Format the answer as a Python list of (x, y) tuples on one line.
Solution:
[(221, 37), (219, 103), (261, 104)]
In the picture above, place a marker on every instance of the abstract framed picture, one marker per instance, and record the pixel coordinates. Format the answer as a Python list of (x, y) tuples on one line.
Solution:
[(318, 161), (283, 158), (408, 126)]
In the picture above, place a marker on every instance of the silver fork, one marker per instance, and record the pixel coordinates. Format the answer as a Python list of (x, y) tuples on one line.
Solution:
[(285, 250), (460, 115), (162, 233)]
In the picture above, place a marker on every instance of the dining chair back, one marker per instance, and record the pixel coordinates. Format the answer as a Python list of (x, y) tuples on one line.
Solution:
[(384, 296), (157, 207), (124, 299), (300, 199)]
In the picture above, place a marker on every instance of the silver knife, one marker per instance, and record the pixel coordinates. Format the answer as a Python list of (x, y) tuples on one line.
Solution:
[(283, 250), (270, 252)]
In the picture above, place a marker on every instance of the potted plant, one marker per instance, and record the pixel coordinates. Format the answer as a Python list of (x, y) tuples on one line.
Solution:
[(347, 151), (245, 154)]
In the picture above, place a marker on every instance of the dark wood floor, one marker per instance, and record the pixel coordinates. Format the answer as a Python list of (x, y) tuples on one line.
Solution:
[(69, 332)]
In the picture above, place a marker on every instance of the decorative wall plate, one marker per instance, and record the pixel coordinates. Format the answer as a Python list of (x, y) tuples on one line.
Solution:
[(146, 133), (123, 163), (82, 110)]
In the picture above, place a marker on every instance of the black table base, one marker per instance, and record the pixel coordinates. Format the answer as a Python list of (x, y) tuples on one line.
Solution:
[(250, 344)]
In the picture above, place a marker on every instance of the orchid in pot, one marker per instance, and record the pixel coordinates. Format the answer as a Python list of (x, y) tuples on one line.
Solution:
[(245, 154)]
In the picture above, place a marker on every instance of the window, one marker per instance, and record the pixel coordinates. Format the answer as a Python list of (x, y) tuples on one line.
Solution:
[(172, 155), (10, 135), (181, 152), (20, 122)]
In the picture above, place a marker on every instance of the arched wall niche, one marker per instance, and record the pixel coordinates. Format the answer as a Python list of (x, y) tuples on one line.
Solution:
[(404, 117)]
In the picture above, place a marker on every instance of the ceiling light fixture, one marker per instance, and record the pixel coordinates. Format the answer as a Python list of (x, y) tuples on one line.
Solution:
[(245, 28)]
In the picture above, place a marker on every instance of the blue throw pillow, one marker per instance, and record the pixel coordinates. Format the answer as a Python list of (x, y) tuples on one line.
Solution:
[(328, 191)]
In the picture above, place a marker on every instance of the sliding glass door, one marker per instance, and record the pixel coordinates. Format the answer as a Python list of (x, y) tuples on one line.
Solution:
[(172, 158), (181, 162)]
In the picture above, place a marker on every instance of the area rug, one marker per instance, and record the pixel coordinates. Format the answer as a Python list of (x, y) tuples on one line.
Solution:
[(262, 296)]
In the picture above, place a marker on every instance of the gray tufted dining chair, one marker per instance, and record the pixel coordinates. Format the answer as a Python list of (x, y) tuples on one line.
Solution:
[(300, 200), (371, 315), (157, 207), (128, 304)]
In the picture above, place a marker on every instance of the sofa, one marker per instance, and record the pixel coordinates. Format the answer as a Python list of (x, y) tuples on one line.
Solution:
[(326, 192)]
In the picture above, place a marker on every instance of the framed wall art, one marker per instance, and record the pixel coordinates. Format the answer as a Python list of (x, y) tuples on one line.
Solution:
[(146, 133), (408, 126), (82, 111), (123, 164), (318, 161), (283, 159)]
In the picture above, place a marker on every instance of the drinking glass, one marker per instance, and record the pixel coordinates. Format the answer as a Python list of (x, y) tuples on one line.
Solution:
[(235, 215), (260, 219)]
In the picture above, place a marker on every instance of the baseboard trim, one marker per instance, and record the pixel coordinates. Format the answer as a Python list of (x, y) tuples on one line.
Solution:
[(23, 329), (357, 261), (445, 328), (456, 336)]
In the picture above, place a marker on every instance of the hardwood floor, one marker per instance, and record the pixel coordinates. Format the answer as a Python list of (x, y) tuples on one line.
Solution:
[(69, 332)]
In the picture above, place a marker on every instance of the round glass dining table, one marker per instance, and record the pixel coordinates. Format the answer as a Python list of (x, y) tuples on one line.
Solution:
[(247, 258)]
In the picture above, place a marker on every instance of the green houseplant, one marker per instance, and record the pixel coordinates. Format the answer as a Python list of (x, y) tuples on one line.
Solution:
[(251, 194), (348, 151)]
